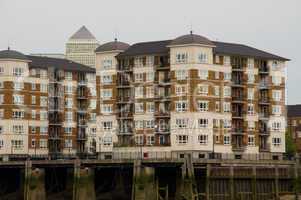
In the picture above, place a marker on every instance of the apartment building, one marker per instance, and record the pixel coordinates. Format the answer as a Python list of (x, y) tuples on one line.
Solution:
[(188, 94), (44, 104), (81, 46), (294, 124), (195, 95)]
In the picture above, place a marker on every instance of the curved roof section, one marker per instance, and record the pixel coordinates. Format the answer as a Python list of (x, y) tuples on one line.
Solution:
[(113, 46), (191, 39), (11, 54)]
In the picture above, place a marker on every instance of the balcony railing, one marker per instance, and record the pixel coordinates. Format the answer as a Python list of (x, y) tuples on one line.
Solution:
[(238, 130)]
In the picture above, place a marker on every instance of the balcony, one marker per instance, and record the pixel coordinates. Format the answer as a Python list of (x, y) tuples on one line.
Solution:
[(263, 116), (263, 70), (263, 131), (237, 83), (238, 115), (238, 131), (162, 130), (264, 85), (238, 147), (238, 99), (265, 148), (264, 100), (162, 114), (125, 115), (237, 68), (81, 136), (82, 83)]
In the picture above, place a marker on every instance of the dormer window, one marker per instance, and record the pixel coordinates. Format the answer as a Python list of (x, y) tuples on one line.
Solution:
[(203, 58), (181, 58)]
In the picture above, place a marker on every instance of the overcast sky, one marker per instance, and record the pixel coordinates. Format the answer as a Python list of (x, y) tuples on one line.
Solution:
[(43, 26)]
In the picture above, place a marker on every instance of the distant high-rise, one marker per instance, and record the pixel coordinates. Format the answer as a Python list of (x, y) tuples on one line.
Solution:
[(80, 47)]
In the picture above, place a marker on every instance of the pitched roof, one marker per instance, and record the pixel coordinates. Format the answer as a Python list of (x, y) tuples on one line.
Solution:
[(112, 46), (243, 50), (83, 33), (143, 48), (159, 47), (294, 110), (191, 39), (67, 65), (11, 54)]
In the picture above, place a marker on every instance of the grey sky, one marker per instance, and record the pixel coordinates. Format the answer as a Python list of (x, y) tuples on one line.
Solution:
[(43, 26)]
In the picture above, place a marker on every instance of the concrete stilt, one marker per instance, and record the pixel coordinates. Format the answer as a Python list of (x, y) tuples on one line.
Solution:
[(186, 185), (34, 188), (83, 187), (144, 187)]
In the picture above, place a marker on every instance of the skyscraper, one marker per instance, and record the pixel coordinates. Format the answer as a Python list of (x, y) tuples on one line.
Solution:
[(80, 47)]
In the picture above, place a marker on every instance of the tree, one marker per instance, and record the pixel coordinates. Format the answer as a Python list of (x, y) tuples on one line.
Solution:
[(290, 145)]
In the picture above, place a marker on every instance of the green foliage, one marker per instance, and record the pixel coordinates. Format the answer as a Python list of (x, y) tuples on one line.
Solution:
[(290, 146)]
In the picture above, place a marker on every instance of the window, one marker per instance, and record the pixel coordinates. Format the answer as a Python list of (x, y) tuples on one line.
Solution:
[(217, 106), (276, 95), (150, 76), (216, 75), (216, 90), (93, 103), (93, 91), (108, 125), (227, 76), (106, 93), (33, 129), (150, 107), (181, 74), (68, 89), (251, 125), (43, 115), (203, 123), (43, 143), (181, 58), (33, 100), (150, 92), (68, 130), (18, 71), (18, 129), (43, 101), (227, 107), (1, 129), (276, 110), (203, 58), (139, 140), (181, 90), (139, 124), (250, 63), (44, 130), (18, 99), (251, 109), (276, 141), (43, 73), (216, 123), (203, 139), (182, 139), (139, 92), (93, 130), (1, 70), (68, 102), (106, 108), (33, 72), (276, 80), (203, 106), (68, 76), (226, 140), (68, 143), (18, 85), (17, 144), (106, 79), (44, 88), (227, 123), (276, 126), (274, 65), (33, 114), (1, 113), (251, 78), (17, 114), (1, 98), (181, 106), (33, 143), (227, 91), (227, 60), (139, 77), (107, 64), (68, 117), (1, 144), (182, 123), (203, 74), (149, 123), (250, 93), (1, 84), (251, 140), (139, 108), (150, 140), (33, 86), (203, 89)]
